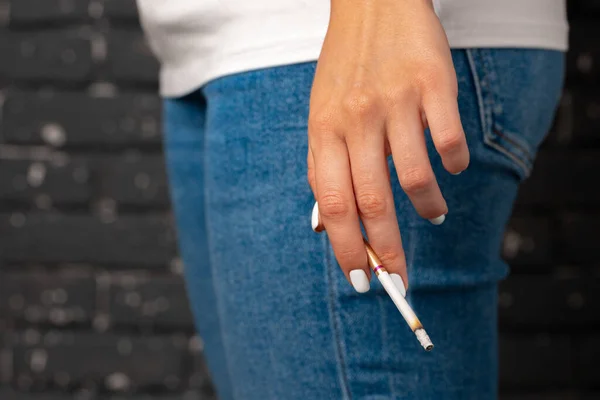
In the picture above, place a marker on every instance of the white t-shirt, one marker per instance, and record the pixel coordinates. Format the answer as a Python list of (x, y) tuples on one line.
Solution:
[(199, 40)]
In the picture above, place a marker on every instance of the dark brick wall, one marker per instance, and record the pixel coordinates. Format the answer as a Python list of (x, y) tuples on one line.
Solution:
[(92, 304)]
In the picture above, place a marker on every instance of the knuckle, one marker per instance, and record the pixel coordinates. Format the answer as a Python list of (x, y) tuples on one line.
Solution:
[(322, 122), (415, 180), (391, 257), (360, 104), (449, 141), (428, 77), (434, 79), (371, 205), (399, 95), (347, 255), (333, 205)]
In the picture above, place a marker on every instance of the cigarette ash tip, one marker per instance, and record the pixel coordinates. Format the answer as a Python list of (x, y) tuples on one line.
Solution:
[(424, 339)]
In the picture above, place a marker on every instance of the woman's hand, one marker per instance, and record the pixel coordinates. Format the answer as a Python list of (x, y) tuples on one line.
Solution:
[(385, 71)]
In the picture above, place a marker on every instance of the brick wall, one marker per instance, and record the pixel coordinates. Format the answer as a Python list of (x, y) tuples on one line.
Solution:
[(91, 298)]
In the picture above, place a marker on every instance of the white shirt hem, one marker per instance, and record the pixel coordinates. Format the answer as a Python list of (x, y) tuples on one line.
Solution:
[(179, 80)]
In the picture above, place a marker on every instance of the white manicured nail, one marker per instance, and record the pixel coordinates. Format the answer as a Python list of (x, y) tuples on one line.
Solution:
[(314, 219), (458, 173), (359, 280), (399, 283), (439, 220)]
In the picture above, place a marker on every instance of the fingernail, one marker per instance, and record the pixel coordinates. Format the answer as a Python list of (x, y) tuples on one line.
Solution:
[(397, 279), (314, 219), (359, 280), (458, 173), (439, 220)]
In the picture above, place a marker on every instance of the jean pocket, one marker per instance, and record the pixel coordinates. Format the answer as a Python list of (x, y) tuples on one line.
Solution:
[(518, 91)]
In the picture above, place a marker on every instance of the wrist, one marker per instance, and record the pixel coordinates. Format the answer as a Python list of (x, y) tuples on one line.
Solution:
[(383, 3), (362, 10)]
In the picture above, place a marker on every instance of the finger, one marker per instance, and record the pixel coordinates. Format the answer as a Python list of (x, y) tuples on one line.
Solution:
[(310, 162), (337, 210), (315, 220), (387, 170), (441, 109), (424, 120), (375, 200), (407, 140), (388, 152)]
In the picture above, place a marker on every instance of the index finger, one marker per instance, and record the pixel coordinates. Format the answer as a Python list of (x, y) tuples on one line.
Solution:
[(337, 209)]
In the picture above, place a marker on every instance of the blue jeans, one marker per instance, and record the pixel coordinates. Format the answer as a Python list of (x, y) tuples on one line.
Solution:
[(278, 318)]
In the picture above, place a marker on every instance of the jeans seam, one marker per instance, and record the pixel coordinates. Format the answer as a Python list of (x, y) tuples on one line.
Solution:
[(525, 169), (525, 161), (218, 305), (486, 116), (336, 324), (512, 138), (477, 84), (496, 130), (526, 153)]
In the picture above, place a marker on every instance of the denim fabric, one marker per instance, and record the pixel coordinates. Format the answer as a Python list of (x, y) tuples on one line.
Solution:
[(278, 318)]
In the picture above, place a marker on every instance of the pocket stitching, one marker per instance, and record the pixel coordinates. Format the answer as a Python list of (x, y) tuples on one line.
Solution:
[(492, 135)]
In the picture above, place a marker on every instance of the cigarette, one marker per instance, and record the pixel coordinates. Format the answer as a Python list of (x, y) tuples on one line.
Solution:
[(401, 304), (386, 281)]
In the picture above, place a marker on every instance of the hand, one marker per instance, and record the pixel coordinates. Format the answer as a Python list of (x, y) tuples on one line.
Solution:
[(384, 74)]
